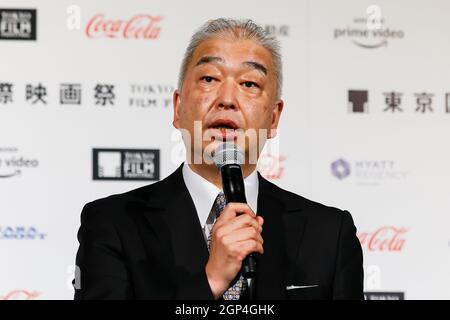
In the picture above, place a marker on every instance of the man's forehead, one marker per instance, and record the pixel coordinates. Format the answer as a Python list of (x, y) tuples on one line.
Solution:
[(224, 51)]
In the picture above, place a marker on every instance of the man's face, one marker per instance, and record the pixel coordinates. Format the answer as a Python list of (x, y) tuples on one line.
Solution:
[(230, 87)]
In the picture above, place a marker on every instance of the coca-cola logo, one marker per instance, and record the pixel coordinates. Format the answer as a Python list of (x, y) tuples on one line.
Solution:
[(140, 26), (384, 239), (20, 295), (271, 166)]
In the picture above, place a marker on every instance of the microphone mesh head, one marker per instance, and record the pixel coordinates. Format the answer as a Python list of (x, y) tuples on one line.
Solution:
[(227, 153)]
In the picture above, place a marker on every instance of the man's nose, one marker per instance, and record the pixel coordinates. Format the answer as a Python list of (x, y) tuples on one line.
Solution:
[(227, 95)]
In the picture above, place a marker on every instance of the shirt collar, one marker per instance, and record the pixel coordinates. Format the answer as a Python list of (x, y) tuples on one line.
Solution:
[(204, 193)]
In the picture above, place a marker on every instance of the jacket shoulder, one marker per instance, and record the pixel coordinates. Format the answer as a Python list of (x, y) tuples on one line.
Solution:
[(294, 202), (115, 205)]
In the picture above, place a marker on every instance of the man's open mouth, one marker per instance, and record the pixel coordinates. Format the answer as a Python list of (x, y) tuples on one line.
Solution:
[(224, 129), (224, 124)]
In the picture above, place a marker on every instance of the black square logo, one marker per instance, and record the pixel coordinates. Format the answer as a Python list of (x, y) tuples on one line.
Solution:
[(358, 101)]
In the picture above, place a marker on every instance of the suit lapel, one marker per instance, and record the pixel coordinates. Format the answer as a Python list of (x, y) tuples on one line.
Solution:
[(173, 216), (282, 231)]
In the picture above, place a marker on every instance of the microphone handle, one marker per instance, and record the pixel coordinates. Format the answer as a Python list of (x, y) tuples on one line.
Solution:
[(234, 191)]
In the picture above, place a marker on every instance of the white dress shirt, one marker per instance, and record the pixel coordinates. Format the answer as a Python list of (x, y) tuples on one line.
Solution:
[(204, 193)]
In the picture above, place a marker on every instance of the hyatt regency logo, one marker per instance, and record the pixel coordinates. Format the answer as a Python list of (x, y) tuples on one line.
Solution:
[(340, 169)]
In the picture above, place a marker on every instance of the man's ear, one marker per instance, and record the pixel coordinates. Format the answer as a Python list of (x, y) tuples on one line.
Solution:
[(276, 114), (176, 108)]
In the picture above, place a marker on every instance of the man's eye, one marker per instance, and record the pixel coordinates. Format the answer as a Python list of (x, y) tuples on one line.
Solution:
[(250, 84), (207, 79)]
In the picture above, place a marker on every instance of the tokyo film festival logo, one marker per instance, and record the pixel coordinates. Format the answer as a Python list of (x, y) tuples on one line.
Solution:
[(271, 166), (151, 95), (18, 24), (126, 164)]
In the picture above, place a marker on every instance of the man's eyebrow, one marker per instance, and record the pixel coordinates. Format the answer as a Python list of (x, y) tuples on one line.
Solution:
[(256, 65), (251, 64), (208, 59)]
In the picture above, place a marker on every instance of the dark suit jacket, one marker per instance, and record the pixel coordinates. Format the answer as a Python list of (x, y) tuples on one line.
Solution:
[(148, 244)]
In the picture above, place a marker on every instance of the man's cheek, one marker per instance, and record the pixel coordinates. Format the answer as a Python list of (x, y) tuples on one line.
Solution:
[(187, 116), (205, 100), (198, 103)]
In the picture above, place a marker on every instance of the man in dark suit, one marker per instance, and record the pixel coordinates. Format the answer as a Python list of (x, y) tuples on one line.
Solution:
[(176, 239)]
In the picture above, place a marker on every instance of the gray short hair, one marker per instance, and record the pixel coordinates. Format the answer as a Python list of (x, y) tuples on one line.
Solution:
[(238, 29)]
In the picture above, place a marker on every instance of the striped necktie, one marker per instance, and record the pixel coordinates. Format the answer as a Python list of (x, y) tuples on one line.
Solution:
[(235, 291)]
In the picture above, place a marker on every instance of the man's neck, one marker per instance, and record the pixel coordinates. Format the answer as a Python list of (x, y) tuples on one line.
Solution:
[(210, 172)]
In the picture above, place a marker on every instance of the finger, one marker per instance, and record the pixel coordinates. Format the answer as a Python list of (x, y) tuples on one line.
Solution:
[(248, 233), (260, 220), (234, 209), (242, 221), (247, 247)]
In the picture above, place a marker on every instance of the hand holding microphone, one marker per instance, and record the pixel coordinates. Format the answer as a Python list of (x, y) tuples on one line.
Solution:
[(235, 235), (237, 232)]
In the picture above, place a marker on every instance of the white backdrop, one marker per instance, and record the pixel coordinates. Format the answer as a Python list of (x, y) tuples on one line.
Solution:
[(388, 168)]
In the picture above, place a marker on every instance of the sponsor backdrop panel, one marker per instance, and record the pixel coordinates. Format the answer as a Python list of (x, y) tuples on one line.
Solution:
[(86, 108), (379, 121), (86, 103)]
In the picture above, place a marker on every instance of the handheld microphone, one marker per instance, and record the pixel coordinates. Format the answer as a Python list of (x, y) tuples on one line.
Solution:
[(228, 159)]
